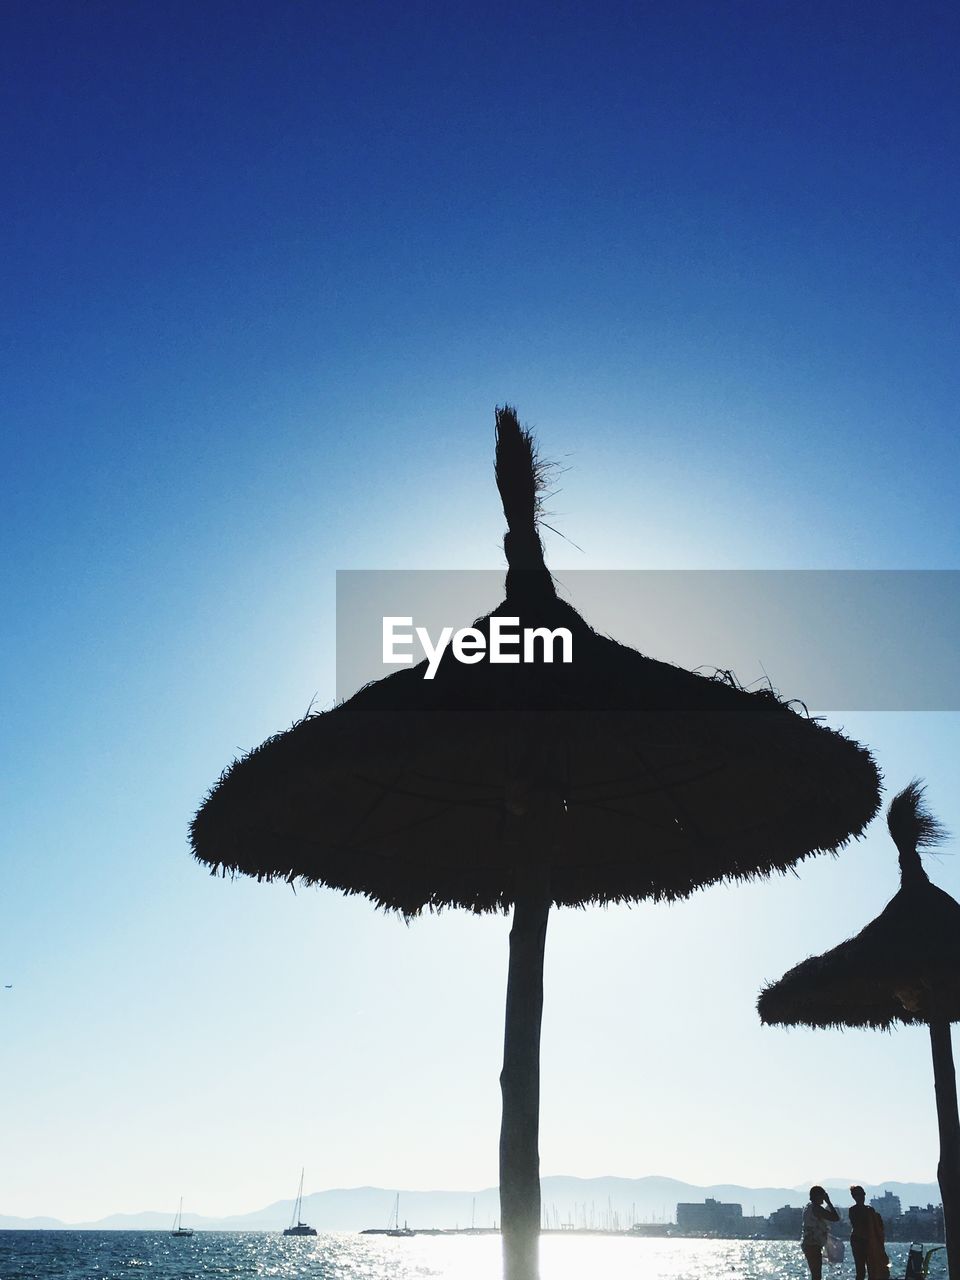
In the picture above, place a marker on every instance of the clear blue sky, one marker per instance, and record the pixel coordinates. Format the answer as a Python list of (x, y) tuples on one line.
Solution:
[(266, 271)]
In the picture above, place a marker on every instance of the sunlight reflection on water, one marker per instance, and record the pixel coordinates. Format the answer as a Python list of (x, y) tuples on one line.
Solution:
[(103, 1255)]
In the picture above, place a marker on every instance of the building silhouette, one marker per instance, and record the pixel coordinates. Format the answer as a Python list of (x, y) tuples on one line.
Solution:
[(785, 1223), (709, 1217), (887, 1205), (918, 1223)]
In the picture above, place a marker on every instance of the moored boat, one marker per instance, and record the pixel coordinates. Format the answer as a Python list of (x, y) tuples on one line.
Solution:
[(396, 1229), (296, 1227), (178, 1228)]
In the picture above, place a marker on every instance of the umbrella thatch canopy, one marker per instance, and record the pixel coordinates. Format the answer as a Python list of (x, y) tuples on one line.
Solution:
[(903, 967), (609, 777), (668, 781)]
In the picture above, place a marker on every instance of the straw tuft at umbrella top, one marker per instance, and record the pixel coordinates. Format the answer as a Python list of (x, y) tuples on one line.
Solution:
[(903, 967), (913, 827), (520, 474), (630, 777)]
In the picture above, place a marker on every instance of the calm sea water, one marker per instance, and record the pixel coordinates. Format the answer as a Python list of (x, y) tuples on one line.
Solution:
[(146, 1255)]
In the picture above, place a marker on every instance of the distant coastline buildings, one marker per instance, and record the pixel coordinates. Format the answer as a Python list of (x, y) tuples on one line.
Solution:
[(714, 1218)]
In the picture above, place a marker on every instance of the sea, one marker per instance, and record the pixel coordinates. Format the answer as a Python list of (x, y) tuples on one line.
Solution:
[(154, 1255)]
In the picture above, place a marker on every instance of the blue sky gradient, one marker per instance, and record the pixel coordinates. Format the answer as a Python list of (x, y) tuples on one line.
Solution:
[(266, 272)]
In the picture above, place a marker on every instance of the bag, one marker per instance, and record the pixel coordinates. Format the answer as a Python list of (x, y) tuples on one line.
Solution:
[(834, 1249)]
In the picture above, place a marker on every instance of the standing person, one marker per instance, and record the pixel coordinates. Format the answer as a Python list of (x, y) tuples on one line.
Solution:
[(818, 1213), (867, 1242)]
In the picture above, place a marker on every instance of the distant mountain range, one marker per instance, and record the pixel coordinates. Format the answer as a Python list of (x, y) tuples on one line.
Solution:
[(564, 1199)]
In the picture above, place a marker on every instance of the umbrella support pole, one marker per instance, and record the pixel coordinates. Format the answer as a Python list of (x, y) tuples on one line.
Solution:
[(520, 1077), (948, 1170)]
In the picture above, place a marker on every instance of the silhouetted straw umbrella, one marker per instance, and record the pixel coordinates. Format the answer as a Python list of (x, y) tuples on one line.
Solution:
[(609, 778), (903, 967)]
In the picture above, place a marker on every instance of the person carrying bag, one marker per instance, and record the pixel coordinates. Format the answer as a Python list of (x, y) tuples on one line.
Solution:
[(818, 1213)]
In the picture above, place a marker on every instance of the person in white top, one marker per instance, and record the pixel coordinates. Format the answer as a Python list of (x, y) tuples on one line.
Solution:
[(817, 1216)]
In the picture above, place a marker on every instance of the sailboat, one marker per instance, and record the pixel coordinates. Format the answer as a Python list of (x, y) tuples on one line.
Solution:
[(178, 1228), (296, 1227), (393, 1227), (396, 1229)]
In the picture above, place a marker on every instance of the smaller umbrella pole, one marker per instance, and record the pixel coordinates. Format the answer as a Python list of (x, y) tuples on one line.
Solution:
[(520, 1077), (948, 1170)]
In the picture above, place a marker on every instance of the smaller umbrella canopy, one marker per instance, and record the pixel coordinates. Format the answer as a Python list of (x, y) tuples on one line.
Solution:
[(903, 967)]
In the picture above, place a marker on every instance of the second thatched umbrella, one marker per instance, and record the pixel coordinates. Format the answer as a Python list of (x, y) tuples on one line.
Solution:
[(903, 967), (523, 784)]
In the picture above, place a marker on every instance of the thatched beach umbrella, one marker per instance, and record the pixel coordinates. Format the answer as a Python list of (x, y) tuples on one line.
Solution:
[(903, 967), (611, 777)]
